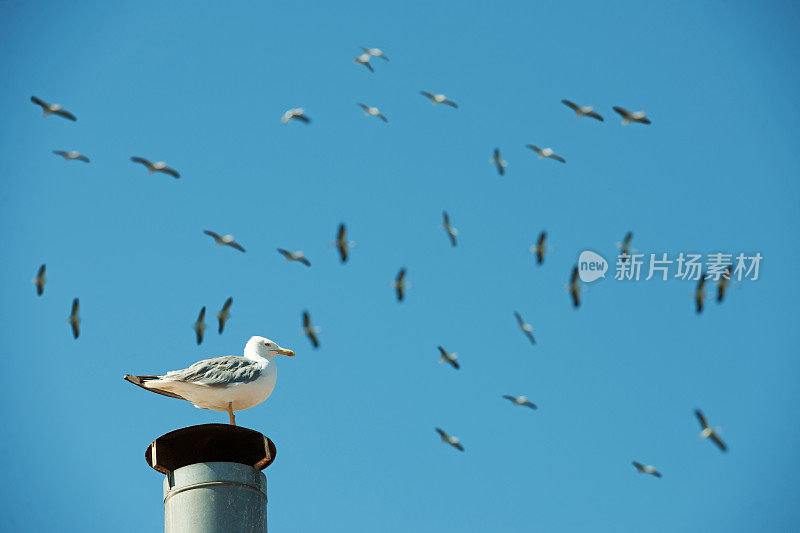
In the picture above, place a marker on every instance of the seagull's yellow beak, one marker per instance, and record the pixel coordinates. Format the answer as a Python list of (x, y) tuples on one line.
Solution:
[(283, 351)]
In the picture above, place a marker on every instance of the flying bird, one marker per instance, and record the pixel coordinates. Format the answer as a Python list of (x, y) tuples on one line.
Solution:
[(372, 111), (225, 240), (723, 283), (71, 155), (540, 248), (526, 328), (450, 439), (295, 256), (342, 244), (498, 161), (400, 284), (75, 319), (158, 166), (53, 109), (224, 314), (363, 59), (582, 111), (310, 330), (520, 400), (40, 280), (449, 358), (546, 152), (708, 432), (226, 384), (438, 99), (296, 113), (449, 229), (700, 294), (632, 116), (625, 247), (199, 325), (574, 287), (646, 469), (375, 52)]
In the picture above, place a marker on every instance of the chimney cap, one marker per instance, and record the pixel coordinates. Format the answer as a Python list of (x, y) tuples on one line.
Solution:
[(210, 443)]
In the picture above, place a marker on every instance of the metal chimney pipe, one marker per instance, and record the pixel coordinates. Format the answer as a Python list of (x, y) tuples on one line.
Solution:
[(214, 482)]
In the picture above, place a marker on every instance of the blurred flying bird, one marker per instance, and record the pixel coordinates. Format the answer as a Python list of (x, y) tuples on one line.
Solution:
[(632, 116), (700, 294), (708, 432), (71, 155), (199, 326), (498, 162), (296, 113), (400, 284), (723, 283), (224, 314), (526, 328), (372, 111), (363, 59), (545, 152), (225, 240), (342, 244), (376, 52), (520, 400), (40, 280), (158, 166), (53, 109), (574, 287), (449, 439), (582, 111), (449, 358), (75, 319), (449, 229), (310, 330), (646, 469), (295, 256), (625, 247), (540, 248), (438, 99)]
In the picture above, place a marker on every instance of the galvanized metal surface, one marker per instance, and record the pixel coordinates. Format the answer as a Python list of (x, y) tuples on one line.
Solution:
[(215, 497)]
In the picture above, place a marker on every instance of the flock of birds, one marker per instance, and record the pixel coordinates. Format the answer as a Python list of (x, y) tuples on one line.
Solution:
[(400, 285)]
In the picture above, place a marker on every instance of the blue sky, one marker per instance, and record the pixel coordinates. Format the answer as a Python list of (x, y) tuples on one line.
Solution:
[(203, 87)]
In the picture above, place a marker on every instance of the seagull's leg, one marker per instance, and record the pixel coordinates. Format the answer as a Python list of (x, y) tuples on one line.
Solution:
[(231, 416)]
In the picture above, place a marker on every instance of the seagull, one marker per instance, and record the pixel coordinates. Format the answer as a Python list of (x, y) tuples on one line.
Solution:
[(526, 328), (625, 246), (582, 111), (295, 256), (75, 319), (546, 152), (376, 52), (449, 229), (53, 109), (226, 384), (199, 326), (342, 244), (708, 432), (520, 400), (498, 160), (631, 116), (574, 287), (723, 283), (310, 330), (400, 284), (700, 294), (646, 469), (540, 248), (372, 111), (158, 166), (438, 99), (296, 113), (364, 60), (224, 314), (40, 280), (449, 357), (225, 240), (71, 155), (449, 439)]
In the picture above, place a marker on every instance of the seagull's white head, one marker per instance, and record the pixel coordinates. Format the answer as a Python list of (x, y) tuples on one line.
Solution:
[(264, 347)]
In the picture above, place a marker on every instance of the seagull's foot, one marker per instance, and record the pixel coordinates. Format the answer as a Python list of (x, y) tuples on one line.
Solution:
[(231, 416)]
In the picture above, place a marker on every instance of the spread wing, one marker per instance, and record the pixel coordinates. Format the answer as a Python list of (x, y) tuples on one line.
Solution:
[(571, 105), (212, 234), (171, 171), (39, 102), (701, 418)]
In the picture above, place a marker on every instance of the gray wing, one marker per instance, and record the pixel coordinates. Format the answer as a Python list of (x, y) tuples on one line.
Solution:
[(217, 371)]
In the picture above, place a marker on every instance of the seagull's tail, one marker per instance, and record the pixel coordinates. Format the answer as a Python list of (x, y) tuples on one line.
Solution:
[(139, 381)]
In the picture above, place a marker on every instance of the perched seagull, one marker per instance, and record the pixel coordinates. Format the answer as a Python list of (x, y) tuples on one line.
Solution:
[(225, 240), (625, 246), (540, 248), (438, 99), (295, 256), (53, 109), (364, 60), (296, 113), (158, 166), (546, 152), (199, 325), (226, 384), (40, 280), (526, 328), (400, 284), (224, 314), (376, 52), (310, 330), (520, 400), (723, 283), (372, 111), (632, 116), (646, 469), (449, 229), (574, 287), (449, 439), (342, 244), (708, 432), (71, 155), (582, 111), (75, 319), (700, 294), (448, 357), (498, 161)]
